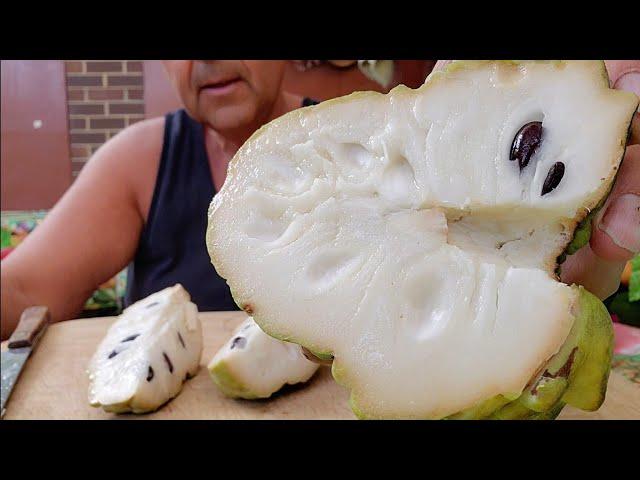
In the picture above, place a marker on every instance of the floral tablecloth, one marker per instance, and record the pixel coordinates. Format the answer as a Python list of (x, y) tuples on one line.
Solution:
[(16, 225)]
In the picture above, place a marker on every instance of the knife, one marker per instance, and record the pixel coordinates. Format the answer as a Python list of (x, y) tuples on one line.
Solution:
[(33, 323)]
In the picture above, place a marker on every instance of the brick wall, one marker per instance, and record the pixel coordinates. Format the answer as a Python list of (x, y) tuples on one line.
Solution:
[(103, 97)]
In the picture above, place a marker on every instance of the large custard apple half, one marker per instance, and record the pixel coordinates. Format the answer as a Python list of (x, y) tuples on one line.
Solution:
[(147, 354), (414, 237), (253, 364)]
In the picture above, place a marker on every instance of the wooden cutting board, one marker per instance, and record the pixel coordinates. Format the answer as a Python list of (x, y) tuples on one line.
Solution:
[(54, 384)]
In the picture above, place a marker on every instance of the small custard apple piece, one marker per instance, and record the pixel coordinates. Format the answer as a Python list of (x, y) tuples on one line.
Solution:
[(414, 236), (254, 365), (148, 353)]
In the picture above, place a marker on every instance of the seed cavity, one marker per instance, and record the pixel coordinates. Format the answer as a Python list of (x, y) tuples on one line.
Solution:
[(113, 354), (525, 143), (168, 360), (130, 338), (150, 374), (556, 172), (239, 342), (181, 340)]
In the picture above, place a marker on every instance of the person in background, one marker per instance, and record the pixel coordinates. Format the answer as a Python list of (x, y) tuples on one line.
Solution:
[(143, 196)]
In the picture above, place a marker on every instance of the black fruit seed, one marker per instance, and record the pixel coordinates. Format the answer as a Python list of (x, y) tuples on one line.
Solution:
[(152, 304), (113, 354), (556, 172), (150, 374), (239, 342), (168, 360), (130, 338), (181, 340), (525, 143)]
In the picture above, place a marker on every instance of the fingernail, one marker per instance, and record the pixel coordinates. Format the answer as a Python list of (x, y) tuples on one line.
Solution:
[(630, 81), (621, 222)]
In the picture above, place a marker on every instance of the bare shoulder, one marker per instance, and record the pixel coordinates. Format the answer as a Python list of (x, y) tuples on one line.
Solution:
[(131, 158), (141, 142)]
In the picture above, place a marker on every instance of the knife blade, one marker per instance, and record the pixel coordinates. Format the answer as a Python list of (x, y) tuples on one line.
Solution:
[(33, 323)]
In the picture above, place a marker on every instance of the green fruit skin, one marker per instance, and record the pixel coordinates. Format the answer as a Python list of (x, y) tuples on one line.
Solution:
[(582, 234), (228, 384), (550, 414), (353, 404), (584, 387), (512, 411), (588, 383), (634, 280), (130, 406), (547, 394), (323, 355), (482, 410)]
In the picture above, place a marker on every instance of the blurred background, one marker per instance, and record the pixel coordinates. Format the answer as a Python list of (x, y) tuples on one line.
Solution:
[(57, 113)]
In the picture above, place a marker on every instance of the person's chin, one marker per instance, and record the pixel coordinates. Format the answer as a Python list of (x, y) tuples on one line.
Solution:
[(231, 117), (228, 113)]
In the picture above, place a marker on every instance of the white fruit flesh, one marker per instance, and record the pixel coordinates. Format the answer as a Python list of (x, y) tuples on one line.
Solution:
[(394, 232), (168, 342), (254, 365)]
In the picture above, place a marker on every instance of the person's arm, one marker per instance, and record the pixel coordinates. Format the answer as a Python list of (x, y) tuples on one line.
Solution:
[(90, 234)]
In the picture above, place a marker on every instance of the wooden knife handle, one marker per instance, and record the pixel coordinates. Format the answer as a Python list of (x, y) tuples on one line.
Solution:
[(33, 321)]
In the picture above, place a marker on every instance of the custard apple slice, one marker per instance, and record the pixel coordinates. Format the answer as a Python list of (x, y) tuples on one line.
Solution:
[(414, 237), (254, 365), (147, 354)]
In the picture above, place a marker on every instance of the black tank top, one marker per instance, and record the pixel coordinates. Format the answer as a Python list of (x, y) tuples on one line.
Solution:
[(172, 245)]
